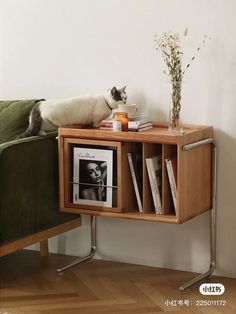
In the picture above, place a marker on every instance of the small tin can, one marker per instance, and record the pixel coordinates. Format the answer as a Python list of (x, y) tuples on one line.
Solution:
[(116, 125)]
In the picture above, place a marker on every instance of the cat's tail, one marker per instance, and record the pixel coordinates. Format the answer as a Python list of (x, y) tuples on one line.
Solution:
[(35, 122)]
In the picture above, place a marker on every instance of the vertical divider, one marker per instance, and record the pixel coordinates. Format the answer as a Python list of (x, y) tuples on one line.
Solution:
[(67, 173), (147, 195), (61, 163)]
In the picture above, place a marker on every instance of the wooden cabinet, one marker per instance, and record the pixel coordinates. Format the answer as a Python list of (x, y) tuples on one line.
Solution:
[(194, 171)]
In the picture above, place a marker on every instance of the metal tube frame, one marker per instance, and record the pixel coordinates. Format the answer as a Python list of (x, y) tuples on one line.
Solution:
[(93, 221), (194, 281), (199, 278)]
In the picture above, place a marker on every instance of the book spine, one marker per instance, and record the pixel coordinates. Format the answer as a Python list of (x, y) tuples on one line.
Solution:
[(172, 182), (141, 129), (136, 124), (131, 166), (154, 187)]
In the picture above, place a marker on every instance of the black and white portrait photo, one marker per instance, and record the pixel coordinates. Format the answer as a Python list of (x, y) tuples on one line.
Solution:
[(93, 180), (93, 176)]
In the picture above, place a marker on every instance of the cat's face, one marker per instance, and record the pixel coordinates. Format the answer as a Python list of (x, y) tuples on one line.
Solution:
[(115, 96)]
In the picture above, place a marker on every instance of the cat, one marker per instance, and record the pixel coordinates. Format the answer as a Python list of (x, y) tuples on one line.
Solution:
[(48, 115)]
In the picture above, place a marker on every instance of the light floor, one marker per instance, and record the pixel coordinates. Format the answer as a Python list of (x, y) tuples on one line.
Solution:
[(29, 284)]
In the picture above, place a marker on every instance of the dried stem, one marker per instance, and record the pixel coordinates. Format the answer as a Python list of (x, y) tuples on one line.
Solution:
[(169, 45), (197, 51)]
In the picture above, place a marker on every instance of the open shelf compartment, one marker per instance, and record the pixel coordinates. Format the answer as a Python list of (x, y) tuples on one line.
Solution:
[(91, 177)]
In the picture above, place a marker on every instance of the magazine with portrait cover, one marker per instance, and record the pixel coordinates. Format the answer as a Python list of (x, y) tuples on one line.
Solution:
[(92, 176)]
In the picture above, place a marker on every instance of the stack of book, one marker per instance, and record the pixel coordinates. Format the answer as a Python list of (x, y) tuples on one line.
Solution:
[(135, 125), (140, 124)]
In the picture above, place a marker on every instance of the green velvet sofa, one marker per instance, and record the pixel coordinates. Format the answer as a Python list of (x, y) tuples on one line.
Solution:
[(29, 206)]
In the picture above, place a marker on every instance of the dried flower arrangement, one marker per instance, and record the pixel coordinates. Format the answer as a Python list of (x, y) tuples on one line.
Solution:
[(169, 45)]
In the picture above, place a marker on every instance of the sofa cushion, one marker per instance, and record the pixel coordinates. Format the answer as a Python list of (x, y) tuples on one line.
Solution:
[(14, 118), (29, 192)]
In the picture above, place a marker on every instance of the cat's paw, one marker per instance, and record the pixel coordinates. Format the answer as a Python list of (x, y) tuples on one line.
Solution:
[(96, 125), (42, 133)]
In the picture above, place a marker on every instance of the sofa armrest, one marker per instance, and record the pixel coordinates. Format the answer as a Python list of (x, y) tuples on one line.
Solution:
[(29, 187), (20, 141)]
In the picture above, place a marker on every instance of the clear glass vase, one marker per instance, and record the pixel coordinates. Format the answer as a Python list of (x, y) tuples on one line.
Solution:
[(175, 121)]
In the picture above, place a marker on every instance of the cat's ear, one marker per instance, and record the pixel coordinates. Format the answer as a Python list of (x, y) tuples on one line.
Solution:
[(123, 88), (113, 90)]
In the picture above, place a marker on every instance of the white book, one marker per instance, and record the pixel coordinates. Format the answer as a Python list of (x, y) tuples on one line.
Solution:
[(141, 129), (154, 168), (135, 183), (140, 126), (135, 123), (171, 166)]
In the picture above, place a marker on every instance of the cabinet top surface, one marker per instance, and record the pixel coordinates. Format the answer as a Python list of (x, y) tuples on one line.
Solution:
[(159, 133)]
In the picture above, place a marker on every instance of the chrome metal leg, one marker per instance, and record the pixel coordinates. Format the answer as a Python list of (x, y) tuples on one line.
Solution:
[(92, 250), (212, 230)]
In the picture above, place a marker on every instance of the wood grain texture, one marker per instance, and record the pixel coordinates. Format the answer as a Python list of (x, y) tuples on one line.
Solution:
[(159, 133), (194, 176), (99, 287), (38, 237), (126, 215), (43, 248), (66, 172), (194, 171)]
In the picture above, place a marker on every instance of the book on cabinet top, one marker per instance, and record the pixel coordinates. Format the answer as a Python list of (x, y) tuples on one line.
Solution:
[(141, 128)]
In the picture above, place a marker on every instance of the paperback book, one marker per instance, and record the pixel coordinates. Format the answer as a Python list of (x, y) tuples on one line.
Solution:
[(154, 169), (133, 160), (171, 166)]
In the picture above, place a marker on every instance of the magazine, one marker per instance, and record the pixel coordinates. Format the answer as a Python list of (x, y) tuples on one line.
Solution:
[(92, 176)]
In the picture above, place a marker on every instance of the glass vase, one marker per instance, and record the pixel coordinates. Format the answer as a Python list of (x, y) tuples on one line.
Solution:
[(175, 121)]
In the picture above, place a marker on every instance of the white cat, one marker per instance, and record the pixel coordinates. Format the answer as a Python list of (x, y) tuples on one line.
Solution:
[(86, 110)]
